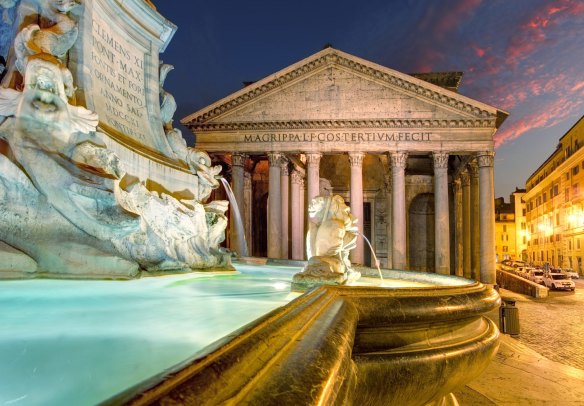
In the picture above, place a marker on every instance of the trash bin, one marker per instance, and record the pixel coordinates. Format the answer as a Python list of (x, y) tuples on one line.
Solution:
[(509, 317)]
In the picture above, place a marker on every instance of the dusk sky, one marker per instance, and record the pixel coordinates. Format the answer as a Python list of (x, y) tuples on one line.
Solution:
[(522, 56)]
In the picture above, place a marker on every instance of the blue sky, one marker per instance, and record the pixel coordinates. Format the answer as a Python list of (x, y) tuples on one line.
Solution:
[(522, 56)]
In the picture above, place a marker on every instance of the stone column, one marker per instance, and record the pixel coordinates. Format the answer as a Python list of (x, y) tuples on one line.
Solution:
[(487, 217), (312, 175), (466, 226), (441, 214), (274, 207), (285, 187), (297, 215), (458, 261), (398, 168), (247, 210), (388, 221), (475, 255), (304, 213), (356, 196), (236, 226)]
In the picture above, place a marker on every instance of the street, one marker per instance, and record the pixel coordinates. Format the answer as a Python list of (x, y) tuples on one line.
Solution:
[(554, 326)]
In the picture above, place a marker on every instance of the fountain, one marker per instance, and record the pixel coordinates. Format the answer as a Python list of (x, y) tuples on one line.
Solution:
[(89, 190), (374, 257), (236, 218)]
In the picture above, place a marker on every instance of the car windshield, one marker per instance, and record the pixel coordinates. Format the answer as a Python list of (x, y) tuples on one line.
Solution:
[(538, 273), (557, 276)]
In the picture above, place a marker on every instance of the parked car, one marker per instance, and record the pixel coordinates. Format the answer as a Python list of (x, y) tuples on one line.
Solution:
[(535, 275), (558, 280), (571, 273), (522, 271)]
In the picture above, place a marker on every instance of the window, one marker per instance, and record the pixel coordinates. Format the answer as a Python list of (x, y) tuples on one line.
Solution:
[(567, 195), (567, 175), (504, 228), (523, 212), (577, 243), (575, 170), (505, 248), (575, 190), (557, 219), (556, 190)]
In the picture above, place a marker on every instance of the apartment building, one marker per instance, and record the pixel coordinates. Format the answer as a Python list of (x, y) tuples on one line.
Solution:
[(555, 204)]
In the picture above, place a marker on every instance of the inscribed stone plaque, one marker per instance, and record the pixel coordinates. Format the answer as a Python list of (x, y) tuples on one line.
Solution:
[(121, 75)]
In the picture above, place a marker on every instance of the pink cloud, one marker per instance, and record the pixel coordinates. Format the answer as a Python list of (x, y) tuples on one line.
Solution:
[(548, 115), (532, 33), (456, 15), (480, 52), (578, 86)]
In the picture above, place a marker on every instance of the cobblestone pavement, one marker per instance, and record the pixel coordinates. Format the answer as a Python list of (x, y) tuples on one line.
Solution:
[(554, 326)]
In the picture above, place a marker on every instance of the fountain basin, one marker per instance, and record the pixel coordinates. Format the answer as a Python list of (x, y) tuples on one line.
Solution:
[(346, 345)]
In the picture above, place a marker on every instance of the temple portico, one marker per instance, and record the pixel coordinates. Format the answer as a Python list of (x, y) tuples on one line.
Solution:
[(411, 157)]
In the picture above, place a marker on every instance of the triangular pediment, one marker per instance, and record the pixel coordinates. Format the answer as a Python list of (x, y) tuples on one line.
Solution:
[(336, 87)]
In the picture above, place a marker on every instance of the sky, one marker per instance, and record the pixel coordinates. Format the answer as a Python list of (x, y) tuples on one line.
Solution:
[(525, 57)]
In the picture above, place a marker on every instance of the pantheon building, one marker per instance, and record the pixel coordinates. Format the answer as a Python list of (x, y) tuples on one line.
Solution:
[(411, 156)]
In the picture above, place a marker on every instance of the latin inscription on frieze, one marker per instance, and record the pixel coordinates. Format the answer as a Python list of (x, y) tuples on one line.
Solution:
[(117, 69), (345, 137)]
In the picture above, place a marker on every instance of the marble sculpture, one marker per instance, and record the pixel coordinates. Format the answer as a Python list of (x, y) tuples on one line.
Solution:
[(66, 201), (332, 234)]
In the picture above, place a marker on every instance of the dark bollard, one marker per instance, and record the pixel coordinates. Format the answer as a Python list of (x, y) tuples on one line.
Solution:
[(509, 317)]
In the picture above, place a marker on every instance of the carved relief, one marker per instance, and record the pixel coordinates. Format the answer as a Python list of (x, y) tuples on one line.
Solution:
[(343, 124)]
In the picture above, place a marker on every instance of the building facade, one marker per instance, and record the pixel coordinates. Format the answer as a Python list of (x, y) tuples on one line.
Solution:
[(411, 156), (555, 204), (511, 227)]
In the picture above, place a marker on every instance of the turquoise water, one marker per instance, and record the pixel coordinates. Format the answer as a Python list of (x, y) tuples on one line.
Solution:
[(80, 342)]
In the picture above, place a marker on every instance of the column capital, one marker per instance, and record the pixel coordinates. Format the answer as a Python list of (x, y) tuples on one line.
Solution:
[(473, 169), (356, 158), (313, 158), (457, 184), (285, 167), (274, 158), (238, 159), (296, 177), (440, 160), (485, 158), (465, 178), (398, 159), (247, 180)]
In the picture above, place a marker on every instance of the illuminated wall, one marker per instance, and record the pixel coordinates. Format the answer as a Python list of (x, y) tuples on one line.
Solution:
[(555, 204)]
